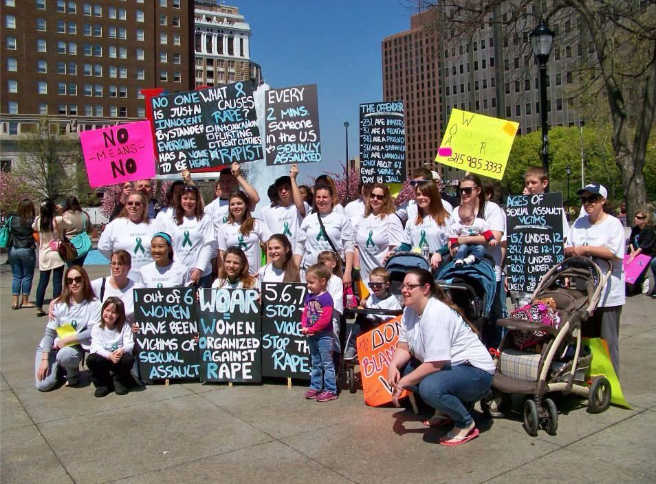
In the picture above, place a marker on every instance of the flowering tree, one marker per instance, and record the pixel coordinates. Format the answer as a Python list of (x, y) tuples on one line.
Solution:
[(13, 189), (112, 195)]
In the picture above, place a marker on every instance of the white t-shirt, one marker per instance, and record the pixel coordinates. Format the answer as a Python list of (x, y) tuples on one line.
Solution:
[(249, 243), (311, 241), (355, 212), (408, 210), (104, 341), (126, 295), (81, 316), (496, 218), (121, 233), (374, 237), (269, 273), (336, 290), (477, 227), (173, 275), (440, 334), (224, 283), (218, 210), (284, 220), (194, 242), (610, 234), (428, 230), (373, 302)]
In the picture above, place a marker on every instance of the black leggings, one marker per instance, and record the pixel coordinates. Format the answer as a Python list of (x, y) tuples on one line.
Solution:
[(100, 368)]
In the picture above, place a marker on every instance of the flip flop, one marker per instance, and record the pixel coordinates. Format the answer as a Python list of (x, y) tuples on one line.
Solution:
[(452, 442), (437, 421), (28, 306)]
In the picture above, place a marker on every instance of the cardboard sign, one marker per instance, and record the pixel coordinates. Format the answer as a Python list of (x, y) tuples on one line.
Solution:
[(206, 129), (285, 351), (535, 238), (634, 269), (167, 329), (118, 154), (292, 125), (229, 341), (476, 143), (382, 142), (375, 351)]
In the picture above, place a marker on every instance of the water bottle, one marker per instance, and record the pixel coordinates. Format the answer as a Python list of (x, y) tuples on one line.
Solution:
[(424, 250)]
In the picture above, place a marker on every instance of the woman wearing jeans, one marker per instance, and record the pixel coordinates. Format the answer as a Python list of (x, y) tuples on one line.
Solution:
[(21, 255), (440, 356), (49, 259)]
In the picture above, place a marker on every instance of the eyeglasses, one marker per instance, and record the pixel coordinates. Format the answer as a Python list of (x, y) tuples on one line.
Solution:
[(117, 264), (467, 190), (76, 280), (375, 285), (377, 197), (133, 204), (590, 199), (409, 287)]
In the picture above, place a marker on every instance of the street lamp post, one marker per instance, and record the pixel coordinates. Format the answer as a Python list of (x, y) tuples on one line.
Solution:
[(541, 43), (348, 168), (568, 170)]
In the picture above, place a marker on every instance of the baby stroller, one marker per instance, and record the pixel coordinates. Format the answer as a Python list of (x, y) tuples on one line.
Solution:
[(471, 288), (398, 266), (575, 286)]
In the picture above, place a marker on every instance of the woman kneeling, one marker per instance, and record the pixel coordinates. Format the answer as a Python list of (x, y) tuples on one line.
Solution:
[(440, 356)]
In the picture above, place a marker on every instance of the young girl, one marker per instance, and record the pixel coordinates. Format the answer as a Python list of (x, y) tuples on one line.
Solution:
[(282, 267), (111, 350), (234, 273), (336, 290), (243, 231), (316, 324), (164, 271)]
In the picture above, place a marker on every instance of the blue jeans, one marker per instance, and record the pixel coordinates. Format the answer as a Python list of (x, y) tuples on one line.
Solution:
[(22, 268), (44, 279), (447, 389), (322, 376), (491, 333), (652, 264), (477, 250)]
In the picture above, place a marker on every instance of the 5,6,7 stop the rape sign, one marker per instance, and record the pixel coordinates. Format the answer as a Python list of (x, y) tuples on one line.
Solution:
[(476, 143)]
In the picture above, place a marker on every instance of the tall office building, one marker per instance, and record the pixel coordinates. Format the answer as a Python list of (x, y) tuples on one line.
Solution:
[(83, 64), (410, 74), (222, 45)]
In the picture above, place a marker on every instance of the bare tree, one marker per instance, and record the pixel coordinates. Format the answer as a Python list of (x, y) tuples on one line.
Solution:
[(618, 65), (49, 161)]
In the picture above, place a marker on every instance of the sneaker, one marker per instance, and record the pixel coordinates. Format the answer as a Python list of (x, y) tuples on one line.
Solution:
[(350, 353), (459, 263), (326, 397), (470, 259), (120, 388), (311, 394), (101, 392)]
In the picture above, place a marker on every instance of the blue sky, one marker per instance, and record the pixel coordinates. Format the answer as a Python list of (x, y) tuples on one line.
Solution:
[(334, 44)]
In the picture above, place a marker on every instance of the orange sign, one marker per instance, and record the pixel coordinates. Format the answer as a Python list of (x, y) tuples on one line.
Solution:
[(375, 352)]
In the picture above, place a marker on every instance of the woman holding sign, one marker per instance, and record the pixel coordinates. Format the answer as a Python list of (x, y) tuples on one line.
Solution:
[(131, 231), (379, 232), (440, 356), (282, 267), (194, 238), (68, 332), (163, 271), (234, 273), (243, 231)]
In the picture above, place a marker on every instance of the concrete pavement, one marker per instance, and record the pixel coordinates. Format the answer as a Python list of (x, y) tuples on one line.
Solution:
[(193, 433)]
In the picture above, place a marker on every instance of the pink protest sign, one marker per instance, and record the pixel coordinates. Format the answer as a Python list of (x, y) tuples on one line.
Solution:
[(119, 153)]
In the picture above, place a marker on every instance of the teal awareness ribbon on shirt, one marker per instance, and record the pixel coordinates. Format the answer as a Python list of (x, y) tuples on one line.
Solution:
[(139, 246), (242, 244), (322, 234), (370, 240), (287, 232), (422, 241), (186, 239), (160, 285), (74, 324)]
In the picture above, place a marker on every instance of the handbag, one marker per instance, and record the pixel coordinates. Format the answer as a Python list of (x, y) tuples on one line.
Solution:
[(82, 241), (65, 248), (332, 246), (5, 233)]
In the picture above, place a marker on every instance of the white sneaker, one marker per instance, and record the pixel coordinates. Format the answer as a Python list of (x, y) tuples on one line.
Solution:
[(459, 263), (470, 259), (645, 286)]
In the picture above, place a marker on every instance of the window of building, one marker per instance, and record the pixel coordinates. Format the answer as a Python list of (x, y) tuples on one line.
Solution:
[(506, 64), (61, 88), (10, 3), (141, 112), (123, 72), (97, 11), (177, 77), (517, 86), (176, 3), (61, 47), (111, 13), (98, 70), (61, 68), (97, 30), (176, 58), (508, 112), (43, 108), (175, 21), (12, 65), (72, 109), (559, 79), (88, 90), (141, 74), (163, 38), (86, 9), (122, 33), (475, 65), (12, 87), (527, 84), (72, 7), (40, 4), (61, 26), (569, 77), (113, 111), (559, 104), (42, 87), (494, 102), (40, 25), (41, 45), (162, 19), (113, 91), (163, 76), (527, 108), (99, 110), (97, 90), (61, 6), (11, 43), (140, 54), (122, 53), (112, 32), (88, 30), (97, 50), (163, 57), (72, 68), (113, 72), (163, 3), (518, 110), (88, 70), (72, 48), (140, 35), (475, 85), (140, 16), (122, 14), (122, 92), (88, 110)]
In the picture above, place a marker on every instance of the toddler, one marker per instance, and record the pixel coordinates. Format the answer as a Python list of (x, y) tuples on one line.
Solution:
[(469, 226)]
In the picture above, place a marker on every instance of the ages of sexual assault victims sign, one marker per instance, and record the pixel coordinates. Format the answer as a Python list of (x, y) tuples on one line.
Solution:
[(118, 154), (375, 351), (476, 143)]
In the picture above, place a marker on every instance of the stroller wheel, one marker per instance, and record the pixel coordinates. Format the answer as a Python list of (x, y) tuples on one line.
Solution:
[(600, 394), (550, 421), (351, 380), (496, 405), (531, 418)]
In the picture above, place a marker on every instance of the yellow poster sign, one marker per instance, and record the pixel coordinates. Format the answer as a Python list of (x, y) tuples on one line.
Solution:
[(476, 143)]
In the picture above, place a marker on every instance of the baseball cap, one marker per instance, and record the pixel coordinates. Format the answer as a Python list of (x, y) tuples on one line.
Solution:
[(596, 188)]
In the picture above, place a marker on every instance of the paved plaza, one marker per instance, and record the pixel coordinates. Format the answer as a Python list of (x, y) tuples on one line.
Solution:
[(193, 433)]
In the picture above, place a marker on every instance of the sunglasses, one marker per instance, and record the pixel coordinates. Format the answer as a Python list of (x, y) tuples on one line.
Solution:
[(467, 190), (377, 197), (375, 285), (76, 280), (590, 199), (419, 182), (640, 217), (133, 204), (190, 188)]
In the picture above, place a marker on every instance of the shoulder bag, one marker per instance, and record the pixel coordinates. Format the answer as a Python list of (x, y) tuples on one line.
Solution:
[(338, 256), (5, 233), (65, 248), (82, 241)]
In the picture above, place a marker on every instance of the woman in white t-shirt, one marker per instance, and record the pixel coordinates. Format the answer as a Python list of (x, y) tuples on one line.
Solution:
[(118, 284), (440, 356), (379, 231), (286, 216), (282, 267), (68, 333), (130, 231), (163, 271), (244, 231), (193, 234), (601, 236), (234, 273)]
